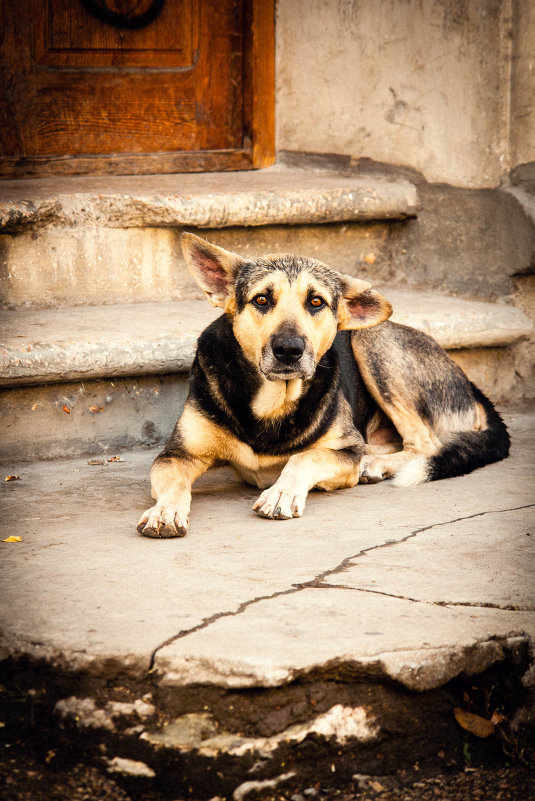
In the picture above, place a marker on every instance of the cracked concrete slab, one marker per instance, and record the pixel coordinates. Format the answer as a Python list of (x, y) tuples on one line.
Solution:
[(252, 651), (341, 634), (505, 564), (416, 584)]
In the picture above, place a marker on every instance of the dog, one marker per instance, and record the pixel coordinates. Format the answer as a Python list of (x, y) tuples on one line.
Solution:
[(304, 383)]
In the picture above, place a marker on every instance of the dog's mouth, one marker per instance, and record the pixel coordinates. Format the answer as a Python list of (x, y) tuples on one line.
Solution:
[(284, 374), (273, 370)]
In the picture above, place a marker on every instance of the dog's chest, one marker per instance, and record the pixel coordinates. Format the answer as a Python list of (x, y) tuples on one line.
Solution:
[(259, 470), (276, 398)]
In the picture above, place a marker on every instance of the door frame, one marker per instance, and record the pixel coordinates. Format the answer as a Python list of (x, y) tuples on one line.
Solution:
[(258, 146)]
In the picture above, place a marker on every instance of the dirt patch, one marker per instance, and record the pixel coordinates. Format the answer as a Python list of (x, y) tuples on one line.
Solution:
[(24, 778), (74, 737)]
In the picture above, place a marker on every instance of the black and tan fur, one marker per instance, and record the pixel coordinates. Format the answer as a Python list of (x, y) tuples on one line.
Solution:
[(303, 382)]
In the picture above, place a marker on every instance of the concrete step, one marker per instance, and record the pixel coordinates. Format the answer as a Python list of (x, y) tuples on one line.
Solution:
[(96, 379), (104, 240), (323, 651)]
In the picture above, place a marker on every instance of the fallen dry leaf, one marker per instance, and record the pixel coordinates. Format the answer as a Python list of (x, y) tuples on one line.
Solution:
[(377, 786), (35, 407), (115, 459), (11, 478), (370, 258), (497, 717), (96, 409), (475, 724), (96, 461), (66, 409), (12, 539)]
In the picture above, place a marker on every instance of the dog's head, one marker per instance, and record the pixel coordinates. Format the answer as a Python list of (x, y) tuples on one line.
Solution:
[(285, 310)]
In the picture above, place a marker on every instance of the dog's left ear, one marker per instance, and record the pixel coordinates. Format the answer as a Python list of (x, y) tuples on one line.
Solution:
[(361, 306), (212, 267)]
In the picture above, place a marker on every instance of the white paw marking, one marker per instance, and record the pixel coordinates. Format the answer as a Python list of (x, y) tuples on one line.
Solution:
[(371, 470), (280, 504), (163, 522)]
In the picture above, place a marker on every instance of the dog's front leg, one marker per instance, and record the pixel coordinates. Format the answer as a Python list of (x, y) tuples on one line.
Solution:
[(171, 480), (318, 467)]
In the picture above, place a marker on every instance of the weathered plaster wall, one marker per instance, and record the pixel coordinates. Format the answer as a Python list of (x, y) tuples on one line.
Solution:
[(444, 86), (523, 83)]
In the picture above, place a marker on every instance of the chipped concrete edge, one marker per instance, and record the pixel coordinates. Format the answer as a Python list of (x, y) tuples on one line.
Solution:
[(65, 362), (19, 647), (418, 670)]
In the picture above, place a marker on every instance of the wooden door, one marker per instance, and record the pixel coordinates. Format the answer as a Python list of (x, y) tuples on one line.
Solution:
[(135, 86)]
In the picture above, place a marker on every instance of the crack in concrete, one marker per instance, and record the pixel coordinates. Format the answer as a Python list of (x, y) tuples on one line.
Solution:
[(474, 605), (488, 605), (417, 531), (318, 582), (207, 621)]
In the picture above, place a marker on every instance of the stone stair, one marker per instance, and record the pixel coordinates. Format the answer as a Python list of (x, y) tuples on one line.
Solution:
[(95, 379), (101, 316), (96, 240)]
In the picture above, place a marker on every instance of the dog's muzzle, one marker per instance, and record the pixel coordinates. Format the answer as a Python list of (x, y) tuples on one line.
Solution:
[(287, 357)]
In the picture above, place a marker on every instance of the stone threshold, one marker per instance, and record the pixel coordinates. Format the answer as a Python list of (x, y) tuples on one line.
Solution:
[(277, 195), (85, 342)]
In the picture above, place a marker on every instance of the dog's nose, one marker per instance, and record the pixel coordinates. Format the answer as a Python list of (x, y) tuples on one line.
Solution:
[(288, 350)]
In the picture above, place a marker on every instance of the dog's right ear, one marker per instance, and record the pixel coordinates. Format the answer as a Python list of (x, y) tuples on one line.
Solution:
[(213, 268)]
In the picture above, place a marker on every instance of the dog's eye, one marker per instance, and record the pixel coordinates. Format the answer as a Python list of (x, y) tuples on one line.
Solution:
[(260, 300), (317, 302)]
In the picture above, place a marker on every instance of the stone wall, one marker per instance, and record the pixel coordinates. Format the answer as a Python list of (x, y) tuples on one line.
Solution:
[(446, 87)]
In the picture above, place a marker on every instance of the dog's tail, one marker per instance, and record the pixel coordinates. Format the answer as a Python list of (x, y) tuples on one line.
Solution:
[(463, 452)]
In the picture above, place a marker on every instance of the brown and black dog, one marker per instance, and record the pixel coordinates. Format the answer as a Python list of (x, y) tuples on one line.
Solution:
[(303, 383)]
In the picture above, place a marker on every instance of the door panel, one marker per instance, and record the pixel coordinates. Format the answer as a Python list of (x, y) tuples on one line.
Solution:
[(190, 90), (71, 36)]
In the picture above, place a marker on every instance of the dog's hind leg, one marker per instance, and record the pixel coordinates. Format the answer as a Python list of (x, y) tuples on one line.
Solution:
[(447, 426), (419, 443)]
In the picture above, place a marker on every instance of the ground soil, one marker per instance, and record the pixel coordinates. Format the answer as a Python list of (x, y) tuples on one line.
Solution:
[(26, 777)]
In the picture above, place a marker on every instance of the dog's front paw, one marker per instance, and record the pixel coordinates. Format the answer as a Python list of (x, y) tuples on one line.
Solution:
[(280, 504), (163, 522), (371, 470)]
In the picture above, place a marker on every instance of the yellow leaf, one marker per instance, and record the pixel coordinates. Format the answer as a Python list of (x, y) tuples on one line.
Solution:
[(35, 407), (370, 258), (11, 478), (12, 539), (96, 409), (376, 786), (475, 724)]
